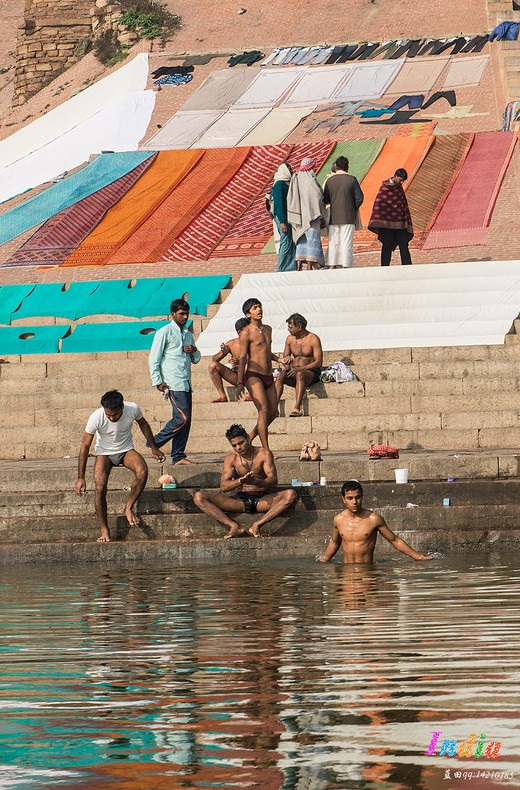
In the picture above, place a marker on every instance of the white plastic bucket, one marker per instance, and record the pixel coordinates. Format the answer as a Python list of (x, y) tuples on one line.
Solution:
[(401, 475)]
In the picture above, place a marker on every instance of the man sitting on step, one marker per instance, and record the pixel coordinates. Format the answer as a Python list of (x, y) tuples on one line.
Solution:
[(220, 372), (246, 486), (113, 424), (302, 361)]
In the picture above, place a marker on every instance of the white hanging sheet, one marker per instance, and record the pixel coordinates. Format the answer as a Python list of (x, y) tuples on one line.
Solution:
[(418, 76), (277, 125), (450, 304), (317, 86), (270, 86), (118, 127), (465, 72), (221, 89), (182, 130), (368, 80), (230, 128), (127, 79)]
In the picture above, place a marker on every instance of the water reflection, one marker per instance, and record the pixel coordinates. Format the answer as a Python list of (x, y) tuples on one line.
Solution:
[(265, 675)]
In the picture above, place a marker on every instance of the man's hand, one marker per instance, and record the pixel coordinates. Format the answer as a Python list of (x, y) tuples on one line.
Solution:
[(162, 387), (240, 391), (81, 486), (320, 558), (224, 348), (290, 373), (423, 557), (283, 228), (158, 454), (247, 478), (189, 349)]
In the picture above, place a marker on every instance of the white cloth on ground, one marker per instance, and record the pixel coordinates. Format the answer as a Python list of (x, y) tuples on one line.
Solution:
[(118, 127)]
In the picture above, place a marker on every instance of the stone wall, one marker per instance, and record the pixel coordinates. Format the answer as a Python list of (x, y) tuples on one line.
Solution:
[(49, 40)]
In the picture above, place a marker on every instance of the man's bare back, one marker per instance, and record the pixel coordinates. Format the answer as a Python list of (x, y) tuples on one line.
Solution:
[(356, 530)]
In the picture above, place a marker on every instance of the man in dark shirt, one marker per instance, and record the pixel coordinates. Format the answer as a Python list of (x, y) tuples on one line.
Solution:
[(344, 196)]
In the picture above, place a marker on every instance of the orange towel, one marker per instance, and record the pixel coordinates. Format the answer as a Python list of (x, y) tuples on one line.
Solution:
[(161, 178), (407, 152), (160, 231)]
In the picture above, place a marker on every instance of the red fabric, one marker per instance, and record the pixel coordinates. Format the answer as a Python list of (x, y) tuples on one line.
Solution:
[(382, 451), (206, 231), (472, 198), (255, 226), (390, 209)]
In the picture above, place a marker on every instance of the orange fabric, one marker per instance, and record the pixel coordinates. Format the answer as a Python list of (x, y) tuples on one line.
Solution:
[(155, 236), (407, 152), (161, 178)]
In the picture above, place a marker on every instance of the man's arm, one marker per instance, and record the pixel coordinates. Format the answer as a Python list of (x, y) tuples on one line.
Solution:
[(400, 544), (84, 450), (228, 482), (333, 547), (155, 359), (220, 355), (358, 193), (269, 469), (242, 362), (148, 435)]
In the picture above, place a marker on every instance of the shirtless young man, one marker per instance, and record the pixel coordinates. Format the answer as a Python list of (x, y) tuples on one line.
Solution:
[(113, 424), (357, 528), (248, 478), (255, 370), (220, 372), (303, 358)]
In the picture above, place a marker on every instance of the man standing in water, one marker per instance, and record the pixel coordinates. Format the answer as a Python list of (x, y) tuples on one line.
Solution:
[(255, 369), (115, 447), (246, 484), (356, 529), (303, 358)]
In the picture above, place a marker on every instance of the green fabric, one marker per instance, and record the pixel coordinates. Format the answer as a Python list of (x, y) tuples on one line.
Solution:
[(120, 336), (125, 297), (361, 155), (45, 340), (11, 297), (65, 300)]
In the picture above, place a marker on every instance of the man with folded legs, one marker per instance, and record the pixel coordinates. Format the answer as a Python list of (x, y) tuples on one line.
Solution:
[(302, 361), (247, 485)]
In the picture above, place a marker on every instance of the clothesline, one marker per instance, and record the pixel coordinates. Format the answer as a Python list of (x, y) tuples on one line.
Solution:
[(389, 50)]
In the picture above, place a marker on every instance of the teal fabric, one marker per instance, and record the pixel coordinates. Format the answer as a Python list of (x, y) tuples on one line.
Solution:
[(102, 171), (52, 300), (201, 291), (45, 340), (123, 336), (125, 297), (11, 297)]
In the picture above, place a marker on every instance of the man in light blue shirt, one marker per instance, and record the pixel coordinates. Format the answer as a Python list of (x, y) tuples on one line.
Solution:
[(173, 350)]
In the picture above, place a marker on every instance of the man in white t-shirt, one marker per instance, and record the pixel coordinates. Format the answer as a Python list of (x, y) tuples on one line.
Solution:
[(113, 423)]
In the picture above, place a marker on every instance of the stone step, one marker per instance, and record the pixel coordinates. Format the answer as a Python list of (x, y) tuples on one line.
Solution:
[(179, 526), (60, 475), (444, 541)]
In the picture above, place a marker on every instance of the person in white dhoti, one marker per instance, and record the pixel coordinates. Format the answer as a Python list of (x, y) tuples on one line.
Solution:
[(344, 196)]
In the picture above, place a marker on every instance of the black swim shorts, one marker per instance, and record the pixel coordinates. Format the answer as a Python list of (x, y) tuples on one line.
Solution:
[(250, 501)]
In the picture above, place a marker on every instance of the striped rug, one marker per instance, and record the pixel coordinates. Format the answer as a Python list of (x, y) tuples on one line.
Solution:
[(213, 223), (433, 180), (160, 231), (252, 231), (57, 238), (466, 213), (123, 219)]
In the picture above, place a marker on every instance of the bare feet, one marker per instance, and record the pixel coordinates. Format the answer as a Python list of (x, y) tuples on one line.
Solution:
[(254, 530), (104, 538), (131, 517), (235, 532), (185, 462), (219, 400)]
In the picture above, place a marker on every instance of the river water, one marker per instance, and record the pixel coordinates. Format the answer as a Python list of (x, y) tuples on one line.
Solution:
[(271, 675)]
